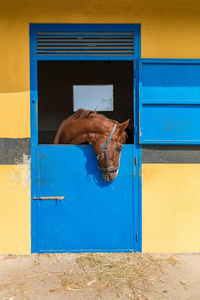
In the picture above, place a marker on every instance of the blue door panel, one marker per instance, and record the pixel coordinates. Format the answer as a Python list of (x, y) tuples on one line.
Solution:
[(169, 83), (165, 124), (95, 215), (169, 101)]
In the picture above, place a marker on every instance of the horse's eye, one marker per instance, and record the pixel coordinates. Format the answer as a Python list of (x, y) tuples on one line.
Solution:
[(119, 147)]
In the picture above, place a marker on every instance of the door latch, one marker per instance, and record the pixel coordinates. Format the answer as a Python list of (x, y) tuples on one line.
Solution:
[(57, 198)]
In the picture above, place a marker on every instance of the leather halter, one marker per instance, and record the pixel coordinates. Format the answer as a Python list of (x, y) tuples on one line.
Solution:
[(104, 150)]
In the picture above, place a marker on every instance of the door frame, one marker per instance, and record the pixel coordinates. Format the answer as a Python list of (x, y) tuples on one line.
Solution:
[(137, 170)]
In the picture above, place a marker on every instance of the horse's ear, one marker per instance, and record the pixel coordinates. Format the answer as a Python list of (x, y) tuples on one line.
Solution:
[(123, 126)]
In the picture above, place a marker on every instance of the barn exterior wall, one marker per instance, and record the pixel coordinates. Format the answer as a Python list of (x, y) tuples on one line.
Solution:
[(15, 208), (169, 29), (171, 206)]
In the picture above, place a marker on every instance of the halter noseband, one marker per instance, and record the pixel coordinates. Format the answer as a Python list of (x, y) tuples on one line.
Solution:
[(104, 150)]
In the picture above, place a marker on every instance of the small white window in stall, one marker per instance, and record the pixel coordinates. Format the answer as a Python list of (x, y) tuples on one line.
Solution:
[(93, 97)]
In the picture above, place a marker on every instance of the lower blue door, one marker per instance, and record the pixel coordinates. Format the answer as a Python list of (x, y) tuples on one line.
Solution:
[(94, 215)]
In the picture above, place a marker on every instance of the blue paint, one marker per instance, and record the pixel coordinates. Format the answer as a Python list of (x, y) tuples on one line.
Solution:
[(96, 216), (85, 57), (34, 138), (132, 31), (169, 101), (137, 168)]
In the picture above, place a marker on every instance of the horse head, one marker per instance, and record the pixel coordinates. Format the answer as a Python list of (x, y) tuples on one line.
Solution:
[(107, 137), (108, 150)]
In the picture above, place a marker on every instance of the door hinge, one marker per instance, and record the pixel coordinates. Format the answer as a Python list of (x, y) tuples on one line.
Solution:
[(135, 74), (136, 237), (135, 129), (135, 160)]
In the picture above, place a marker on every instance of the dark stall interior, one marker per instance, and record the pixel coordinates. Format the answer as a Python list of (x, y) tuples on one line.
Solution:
[(55, 91)]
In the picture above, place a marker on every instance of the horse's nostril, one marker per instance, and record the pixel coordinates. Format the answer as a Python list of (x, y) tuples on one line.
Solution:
[(106, 176), (109, 176)]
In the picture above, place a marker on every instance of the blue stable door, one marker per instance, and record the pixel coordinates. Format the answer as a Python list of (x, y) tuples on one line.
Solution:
[(73, 208), (92, 215)]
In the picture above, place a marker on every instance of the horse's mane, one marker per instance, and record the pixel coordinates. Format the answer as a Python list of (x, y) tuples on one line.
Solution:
[(82, 114), (79, 114)]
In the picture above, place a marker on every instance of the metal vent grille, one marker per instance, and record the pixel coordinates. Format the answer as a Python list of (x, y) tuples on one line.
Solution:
[(85, 43)]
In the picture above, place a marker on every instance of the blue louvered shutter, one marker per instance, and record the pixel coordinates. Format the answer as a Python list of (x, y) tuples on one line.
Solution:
[(85, 43), (169, 100)]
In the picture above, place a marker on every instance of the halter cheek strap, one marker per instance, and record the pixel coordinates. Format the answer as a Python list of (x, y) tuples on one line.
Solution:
[(104, 150)]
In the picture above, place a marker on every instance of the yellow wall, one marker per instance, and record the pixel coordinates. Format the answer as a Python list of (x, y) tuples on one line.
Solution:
[(169, 29), (15, 115), (171, 208), (15, 209)]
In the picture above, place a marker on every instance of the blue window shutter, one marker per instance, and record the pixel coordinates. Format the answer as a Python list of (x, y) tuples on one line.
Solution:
[(85, 43), (169, 101)]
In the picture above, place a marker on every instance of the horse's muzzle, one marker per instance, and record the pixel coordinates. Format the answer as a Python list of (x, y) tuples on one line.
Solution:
[(109, 176)]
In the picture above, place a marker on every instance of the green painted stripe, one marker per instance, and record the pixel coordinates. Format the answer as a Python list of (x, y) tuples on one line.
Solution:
[(171, 154), (14, 151)]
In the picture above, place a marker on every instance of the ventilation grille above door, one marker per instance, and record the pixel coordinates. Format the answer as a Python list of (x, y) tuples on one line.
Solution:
[(85, 43)]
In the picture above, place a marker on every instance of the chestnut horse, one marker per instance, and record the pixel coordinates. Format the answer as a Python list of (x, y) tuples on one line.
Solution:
[(105, 135)]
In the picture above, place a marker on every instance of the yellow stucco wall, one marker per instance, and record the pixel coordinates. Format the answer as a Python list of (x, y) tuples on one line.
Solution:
[(15, 115), (169, 29), (171, 208), (15, 209)]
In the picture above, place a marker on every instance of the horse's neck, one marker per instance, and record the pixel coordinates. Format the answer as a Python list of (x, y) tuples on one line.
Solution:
[(82, 131), (83, 138)]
